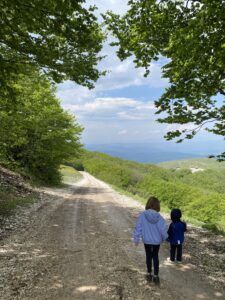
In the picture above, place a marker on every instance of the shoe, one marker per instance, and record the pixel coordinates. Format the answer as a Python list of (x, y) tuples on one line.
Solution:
[(156, 280), (149, 277), (178, 261), (169, 260)]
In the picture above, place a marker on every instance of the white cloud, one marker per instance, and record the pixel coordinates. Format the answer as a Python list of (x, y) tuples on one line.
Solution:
[(117, 6), (120, 74), (124, 74), (70, 93), (122, 132), (111, 118), (112, 108)]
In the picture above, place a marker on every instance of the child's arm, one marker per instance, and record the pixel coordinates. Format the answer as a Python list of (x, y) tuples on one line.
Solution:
[(137, 231), (163, 229)]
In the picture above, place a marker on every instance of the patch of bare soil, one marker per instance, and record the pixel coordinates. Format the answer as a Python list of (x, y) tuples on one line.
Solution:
[(13, 185), (77, 244), (206, 250)]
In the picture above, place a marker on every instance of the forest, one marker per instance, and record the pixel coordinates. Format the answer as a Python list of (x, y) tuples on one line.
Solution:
[(43, 44)]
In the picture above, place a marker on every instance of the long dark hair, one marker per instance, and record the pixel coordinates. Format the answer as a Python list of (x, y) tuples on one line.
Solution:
[(153, 203)]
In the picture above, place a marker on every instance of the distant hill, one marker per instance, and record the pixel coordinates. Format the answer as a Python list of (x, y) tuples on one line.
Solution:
[(144, 153), (196, 163), (156, 152)]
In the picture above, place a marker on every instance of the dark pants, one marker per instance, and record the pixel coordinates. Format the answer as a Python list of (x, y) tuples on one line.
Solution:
[(152, 254), (176, 251)]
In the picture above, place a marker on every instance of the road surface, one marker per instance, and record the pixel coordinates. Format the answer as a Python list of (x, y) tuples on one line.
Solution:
[(80, 247)]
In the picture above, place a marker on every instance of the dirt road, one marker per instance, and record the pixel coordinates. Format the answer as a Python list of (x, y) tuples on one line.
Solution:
[(80, 247)]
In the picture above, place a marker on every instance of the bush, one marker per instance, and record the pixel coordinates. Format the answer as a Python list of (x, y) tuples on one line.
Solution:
[(42, 135)]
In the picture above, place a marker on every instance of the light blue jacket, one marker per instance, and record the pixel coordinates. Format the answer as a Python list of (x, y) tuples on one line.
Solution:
[(152, 227)]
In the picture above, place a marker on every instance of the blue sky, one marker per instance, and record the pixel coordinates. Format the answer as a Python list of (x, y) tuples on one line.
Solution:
[(121, 107)]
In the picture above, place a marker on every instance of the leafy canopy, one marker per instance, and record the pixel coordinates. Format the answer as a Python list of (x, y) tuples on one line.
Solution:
[(190, 35), (60, 37), (37, 135)]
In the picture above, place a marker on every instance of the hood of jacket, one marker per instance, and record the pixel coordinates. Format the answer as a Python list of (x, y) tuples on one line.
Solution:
[(152, 216)]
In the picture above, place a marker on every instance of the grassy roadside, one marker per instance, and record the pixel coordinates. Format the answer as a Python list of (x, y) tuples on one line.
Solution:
[(69, 175), (166, 211), (200, 195)]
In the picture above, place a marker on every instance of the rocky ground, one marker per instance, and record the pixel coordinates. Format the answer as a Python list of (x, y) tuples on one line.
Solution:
[(75, 243)]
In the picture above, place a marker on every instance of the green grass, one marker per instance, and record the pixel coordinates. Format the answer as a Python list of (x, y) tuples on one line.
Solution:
[(166, 211), (69, 175), (200, 195)]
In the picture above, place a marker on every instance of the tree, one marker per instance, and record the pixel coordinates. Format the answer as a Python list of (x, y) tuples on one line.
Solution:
[(37, 135), (190, 35), (61, 37)]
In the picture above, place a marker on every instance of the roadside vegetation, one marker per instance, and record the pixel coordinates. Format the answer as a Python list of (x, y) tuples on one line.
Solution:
[(200, 195), (41, 46), (69, 175), (37, 135)]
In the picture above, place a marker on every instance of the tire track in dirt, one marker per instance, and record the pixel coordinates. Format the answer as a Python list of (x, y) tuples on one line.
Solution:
[(81, 248)]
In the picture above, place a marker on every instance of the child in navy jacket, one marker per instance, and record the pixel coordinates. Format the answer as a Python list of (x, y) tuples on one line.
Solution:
[(176, 235)]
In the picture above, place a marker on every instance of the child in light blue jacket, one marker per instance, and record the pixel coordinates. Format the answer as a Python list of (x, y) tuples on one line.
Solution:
[(152, 228)]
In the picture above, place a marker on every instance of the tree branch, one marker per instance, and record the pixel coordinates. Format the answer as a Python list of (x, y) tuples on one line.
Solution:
[(222, 92), (198, 128)]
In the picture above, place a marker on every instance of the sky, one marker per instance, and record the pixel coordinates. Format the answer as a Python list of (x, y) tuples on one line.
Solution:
[(120, 109)]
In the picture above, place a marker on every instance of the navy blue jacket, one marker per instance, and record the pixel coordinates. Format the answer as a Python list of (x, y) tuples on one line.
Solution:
[(176, 232)]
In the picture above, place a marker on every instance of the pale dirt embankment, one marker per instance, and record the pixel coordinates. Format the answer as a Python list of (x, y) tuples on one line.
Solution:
[(76, 243)]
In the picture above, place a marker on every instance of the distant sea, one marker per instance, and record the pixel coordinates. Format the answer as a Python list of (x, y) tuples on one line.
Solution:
[(157, 152)]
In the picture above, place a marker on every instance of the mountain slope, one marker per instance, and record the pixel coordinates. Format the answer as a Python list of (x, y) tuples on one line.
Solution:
[(200, 195)]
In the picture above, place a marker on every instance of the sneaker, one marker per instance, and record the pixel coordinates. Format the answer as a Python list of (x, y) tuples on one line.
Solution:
[(156, 280), (169, 260), (149, 277), (178, 261)]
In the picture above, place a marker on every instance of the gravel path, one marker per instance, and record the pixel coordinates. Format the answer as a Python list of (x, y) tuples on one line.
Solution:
[(76, 243)]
